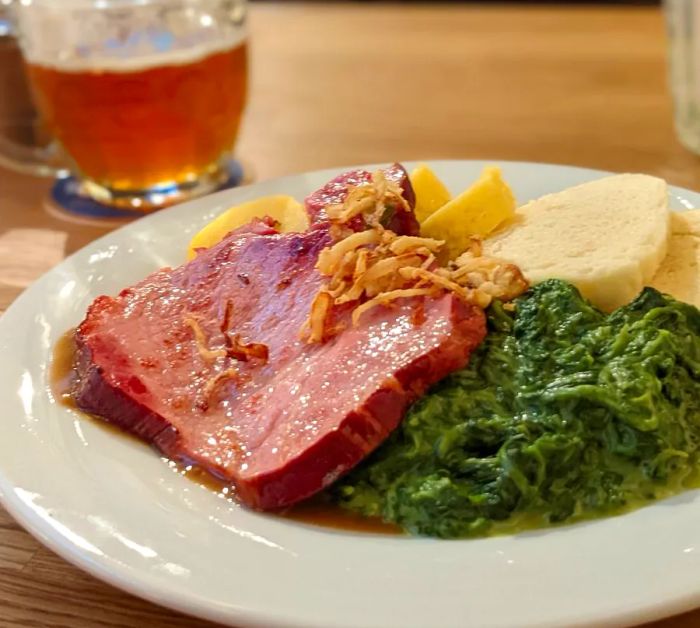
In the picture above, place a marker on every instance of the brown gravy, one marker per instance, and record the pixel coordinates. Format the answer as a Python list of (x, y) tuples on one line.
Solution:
[(316, 511), (62, 375)]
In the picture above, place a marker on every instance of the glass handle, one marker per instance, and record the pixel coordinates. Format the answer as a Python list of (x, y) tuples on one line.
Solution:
[(17, 112), (43, 162)]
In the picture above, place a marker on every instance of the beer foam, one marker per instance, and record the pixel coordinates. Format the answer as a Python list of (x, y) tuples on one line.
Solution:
[(138, 59)]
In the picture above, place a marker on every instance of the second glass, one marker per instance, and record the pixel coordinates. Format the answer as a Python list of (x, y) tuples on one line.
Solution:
[(145, 96)]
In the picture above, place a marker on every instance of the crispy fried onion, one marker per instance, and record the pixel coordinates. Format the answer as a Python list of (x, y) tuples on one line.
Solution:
[(233, 348), (243, 351), (377, 266), (496, 278), (200, 340), (371, 201), (213, 382)]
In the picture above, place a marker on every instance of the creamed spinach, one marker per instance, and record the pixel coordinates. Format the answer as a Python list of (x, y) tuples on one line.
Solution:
[(563, 413)]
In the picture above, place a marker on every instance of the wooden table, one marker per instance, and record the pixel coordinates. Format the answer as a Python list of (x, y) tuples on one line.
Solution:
[(345, 84)]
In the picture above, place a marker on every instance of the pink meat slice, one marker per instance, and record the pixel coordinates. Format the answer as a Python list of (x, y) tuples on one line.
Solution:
[(336, 190), (280, 429)]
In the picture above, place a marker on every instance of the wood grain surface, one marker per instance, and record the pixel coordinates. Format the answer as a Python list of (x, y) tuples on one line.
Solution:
[(341, 84)]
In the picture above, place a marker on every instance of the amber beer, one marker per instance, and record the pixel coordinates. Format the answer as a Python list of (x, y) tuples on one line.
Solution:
[(137, 123)]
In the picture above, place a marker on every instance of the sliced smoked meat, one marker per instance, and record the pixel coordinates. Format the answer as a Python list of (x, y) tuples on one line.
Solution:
[(205, 362), (396, 218)]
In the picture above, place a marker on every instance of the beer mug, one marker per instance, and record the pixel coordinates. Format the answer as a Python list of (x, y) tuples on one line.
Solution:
[(145, 97)]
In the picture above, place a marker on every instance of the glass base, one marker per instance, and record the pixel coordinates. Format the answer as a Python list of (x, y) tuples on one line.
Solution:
[(72, 198), (688, 134), (158, 196)]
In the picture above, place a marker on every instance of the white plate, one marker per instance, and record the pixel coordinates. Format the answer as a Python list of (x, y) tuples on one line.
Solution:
[(111, 506)]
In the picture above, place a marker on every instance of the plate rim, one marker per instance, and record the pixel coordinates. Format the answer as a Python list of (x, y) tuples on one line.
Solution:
[(136, 583)]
